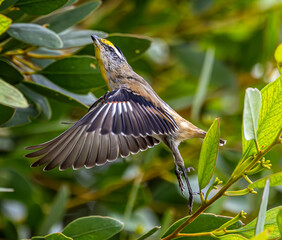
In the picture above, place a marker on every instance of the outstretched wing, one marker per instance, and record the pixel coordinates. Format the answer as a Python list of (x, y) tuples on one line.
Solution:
[(119, 122)]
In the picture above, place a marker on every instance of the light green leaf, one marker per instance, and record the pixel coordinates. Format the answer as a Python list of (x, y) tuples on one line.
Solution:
[(79, 38), (11, 74), (232, 237), (262, 236), (206, 222), (262, 209), (66, 19), (35, 35), (78, 74), (149, 233), (208, 155), (40, 7), (279, 220), (269, 123), (251, 113), (274, 180), (278, 57), (11, 97), (57, 211), (5, 22), (53, 236), (93, 227), (248, 231)]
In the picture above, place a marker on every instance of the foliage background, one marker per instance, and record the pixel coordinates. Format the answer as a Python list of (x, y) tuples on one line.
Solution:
[(243, 34)]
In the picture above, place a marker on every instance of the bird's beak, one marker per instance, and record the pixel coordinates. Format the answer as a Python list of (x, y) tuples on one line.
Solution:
[(95, 40)]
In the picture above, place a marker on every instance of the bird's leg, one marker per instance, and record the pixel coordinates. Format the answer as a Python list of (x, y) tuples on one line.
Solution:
[(180, 182), (190, 203)]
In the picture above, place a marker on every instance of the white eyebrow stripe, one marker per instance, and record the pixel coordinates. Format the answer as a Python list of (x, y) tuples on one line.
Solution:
[(117, 52)]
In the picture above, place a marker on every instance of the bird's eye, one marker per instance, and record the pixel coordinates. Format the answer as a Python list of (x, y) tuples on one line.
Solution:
[(111, 49)]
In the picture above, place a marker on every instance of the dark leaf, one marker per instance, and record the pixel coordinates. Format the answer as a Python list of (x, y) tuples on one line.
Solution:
[(206, 222), (78, 74), (6, 114), (40, 7), (93, 227), (11, 74), (66, 19)]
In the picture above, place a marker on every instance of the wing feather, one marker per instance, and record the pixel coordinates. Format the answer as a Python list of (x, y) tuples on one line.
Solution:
[(120, 122)]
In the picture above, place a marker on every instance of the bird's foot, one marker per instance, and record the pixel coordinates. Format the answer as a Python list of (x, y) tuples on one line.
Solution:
[(179, 173), (180, 182)]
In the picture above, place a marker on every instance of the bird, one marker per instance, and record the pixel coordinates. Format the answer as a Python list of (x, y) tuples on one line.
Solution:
[(130, 117)]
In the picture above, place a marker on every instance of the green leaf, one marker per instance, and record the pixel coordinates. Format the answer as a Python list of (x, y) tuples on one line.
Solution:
[(35, 35), (66, 19), (93, 227), (5, 22), (203, 84), (11, 74), (262, 209), (232, 237), (251, 113), (206, 222), (6, 114), (78, 74), (269, 123), (6, 4), (262, 236), (248, 231), (79, 38), (192, 59), (208, 155), (23, 190), (53, 236), (278, 57), (40, 101), (279, 220), (132, 46), (57, 211), (40, 7), (11, 97), (149, 233), (22, 116), (53, 94), (274, 180)]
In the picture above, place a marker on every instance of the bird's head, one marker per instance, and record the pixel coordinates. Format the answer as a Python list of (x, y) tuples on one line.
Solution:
[(109, 57)]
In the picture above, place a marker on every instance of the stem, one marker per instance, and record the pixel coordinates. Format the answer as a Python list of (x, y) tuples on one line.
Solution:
[(27, 63), (247, 178), (195, 234), (44, 56), (233, 179), (257, 145)]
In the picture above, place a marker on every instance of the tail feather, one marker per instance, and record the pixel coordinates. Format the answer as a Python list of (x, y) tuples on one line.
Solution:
[(222, 142)]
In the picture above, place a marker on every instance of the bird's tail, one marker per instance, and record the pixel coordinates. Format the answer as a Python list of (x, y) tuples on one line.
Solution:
[(221, 141)]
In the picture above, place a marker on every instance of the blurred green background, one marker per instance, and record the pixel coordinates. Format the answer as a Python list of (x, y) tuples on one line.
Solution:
[(237, 37)]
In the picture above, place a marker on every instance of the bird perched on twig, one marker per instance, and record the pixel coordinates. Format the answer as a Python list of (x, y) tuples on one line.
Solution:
[(129, 118)]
